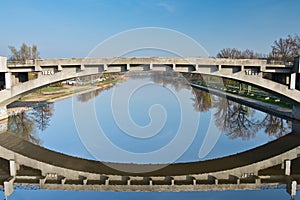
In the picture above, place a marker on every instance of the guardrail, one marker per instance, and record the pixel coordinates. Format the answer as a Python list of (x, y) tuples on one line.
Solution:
[(22, 62)]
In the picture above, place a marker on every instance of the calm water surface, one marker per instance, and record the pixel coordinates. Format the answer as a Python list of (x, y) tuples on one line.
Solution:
[(235, 127)]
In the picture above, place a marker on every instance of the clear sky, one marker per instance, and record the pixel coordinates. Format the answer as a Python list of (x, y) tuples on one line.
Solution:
[(71, 28)]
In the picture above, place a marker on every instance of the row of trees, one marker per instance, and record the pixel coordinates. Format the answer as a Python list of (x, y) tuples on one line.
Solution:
[(24, 53), (283, 50)]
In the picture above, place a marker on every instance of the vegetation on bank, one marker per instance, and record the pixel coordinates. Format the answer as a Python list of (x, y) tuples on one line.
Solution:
[(52, 89), (237, 88), (84, 84)]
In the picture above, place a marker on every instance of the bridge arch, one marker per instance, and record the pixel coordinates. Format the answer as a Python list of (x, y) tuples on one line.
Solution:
[(277, 89)]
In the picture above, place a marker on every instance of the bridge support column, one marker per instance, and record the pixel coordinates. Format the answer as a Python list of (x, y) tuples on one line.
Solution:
[(84, 181), (59, 68), (196, 67), (257, 181), (194, 181), (63, 181), (82, 67), (13, 167), (172, 182), (293, 81), (128, 67), (105, 67), (219, 67), (174, 67), (8, 187), (107, 181), (287, 166), (151, 66), (3, 113), (294, 189), (8, 80)]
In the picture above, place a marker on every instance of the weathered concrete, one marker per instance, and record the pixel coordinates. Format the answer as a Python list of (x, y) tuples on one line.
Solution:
[(9, 187), (8, 81), (57, 174), (25, 153), (3, 64), (55, 70), (293, 81)]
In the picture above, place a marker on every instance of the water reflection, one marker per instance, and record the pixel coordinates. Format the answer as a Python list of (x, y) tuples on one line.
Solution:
[(26, 123), (233, 119)]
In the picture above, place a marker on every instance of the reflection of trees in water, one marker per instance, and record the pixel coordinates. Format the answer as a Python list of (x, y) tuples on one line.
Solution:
[(25, 124), (275, 126), (42, 115), (85, 97), (237, 120), (202, 101), (176, 80)]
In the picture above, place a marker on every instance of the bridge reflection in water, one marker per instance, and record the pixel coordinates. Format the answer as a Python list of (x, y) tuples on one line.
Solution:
[(267, 166), (272, 165)]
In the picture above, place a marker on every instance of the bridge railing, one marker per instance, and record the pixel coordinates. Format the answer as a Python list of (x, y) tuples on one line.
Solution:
[(21, 62), (280, 62)]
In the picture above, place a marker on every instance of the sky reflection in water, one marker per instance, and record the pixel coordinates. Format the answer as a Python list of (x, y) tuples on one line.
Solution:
[(242, 128)]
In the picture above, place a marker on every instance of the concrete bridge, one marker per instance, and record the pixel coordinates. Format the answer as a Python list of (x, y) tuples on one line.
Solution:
[(270, 165), (15, 80)]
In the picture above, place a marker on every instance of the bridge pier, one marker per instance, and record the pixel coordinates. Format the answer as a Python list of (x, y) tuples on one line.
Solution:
[(292, 84), (82, 67), (13, 168), (8, 80), (287, 166), (8, 187), (59, 68)]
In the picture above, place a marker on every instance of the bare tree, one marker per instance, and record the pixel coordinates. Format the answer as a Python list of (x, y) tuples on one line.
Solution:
[(250, 54), (25, 53), (285, 49), (229, 53), (237, 54)]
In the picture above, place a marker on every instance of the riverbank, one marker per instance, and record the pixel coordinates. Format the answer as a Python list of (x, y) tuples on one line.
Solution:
[(283, 112), (37, 99)]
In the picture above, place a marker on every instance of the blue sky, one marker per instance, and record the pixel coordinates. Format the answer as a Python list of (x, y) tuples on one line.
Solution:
[(71, 28)]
